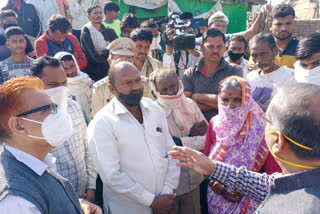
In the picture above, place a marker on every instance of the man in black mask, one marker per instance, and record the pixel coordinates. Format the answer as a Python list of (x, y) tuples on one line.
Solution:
[(8, 18), (237, 49), (129, 140)]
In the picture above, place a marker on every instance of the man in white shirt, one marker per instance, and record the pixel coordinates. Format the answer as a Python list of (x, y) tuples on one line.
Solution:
[(129, 141), (237, 48), (30, 127), (268, 76)]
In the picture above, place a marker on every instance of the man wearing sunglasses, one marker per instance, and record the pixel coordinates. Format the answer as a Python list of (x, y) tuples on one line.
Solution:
[(292, 135), (31, 126), (74, 161)]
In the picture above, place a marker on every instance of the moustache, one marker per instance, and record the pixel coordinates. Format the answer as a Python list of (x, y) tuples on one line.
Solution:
[(214, 54), (263, 66)]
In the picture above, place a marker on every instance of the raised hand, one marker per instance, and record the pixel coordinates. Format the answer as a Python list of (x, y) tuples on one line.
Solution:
[(192, 159)]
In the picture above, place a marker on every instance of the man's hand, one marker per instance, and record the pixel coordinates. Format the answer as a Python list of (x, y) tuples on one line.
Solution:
[(217, 188), (164, 204), (170, 33), (199, 129), (90, 208), (192, 159), (99, 52), (89, 195)]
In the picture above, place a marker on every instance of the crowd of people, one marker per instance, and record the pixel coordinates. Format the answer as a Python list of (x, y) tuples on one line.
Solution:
[(99, 115)]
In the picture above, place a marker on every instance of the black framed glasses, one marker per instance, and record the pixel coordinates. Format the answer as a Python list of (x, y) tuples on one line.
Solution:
[(51, 107)]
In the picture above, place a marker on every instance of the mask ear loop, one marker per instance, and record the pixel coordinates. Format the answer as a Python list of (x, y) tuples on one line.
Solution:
[(34, 121), (292, 141), (31, 120)]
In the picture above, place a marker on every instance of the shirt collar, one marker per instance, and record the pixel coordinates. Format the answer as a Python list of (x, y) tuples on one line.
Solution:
[(119, 108), (222, 64), (32, 162)]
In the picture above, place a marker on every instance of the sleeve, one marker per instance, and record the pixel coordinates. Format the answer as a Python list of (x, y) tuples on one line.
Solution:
[(16, 204), (252, 184), (173, 172), (103, 146), (187, 80), (91, 168), (78, 54), (97, 100), (29, 49), (195, 142), (37, 31), (88, 47), (41, 47), (112, 34), (168, 61), (209, 139)]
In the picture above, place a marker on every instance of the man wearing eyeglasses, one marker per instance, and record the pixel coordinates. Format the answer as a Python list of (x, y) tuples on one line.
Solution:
[(292, 135), (74, 161), (31, 126)]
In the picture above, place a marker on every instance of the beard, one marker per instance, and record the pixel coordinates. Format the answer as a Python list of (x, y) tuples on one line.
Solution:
[(283, 37)]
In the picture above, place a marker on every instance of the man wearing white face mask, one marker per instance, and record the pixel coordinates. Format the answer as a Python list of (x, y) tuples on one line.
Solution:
[(79, 84), (187, 126), (31, 126), (73, 158), (307, 68), (263, 49)]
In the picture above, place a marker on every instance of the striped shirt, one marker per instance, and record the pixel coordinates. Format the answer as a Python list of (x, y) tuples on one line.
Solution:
[(74, 160)]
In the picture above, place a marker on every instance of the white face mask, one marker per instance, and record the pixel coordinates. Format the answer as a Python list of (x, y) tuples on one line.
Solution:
[(171, 101), (306, 76), (56, 128), (59, 95)]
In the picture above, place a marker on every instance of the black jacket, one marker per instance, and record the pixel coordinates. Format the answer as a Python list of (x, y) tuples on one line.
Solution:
[(28, 18), (98, 66)]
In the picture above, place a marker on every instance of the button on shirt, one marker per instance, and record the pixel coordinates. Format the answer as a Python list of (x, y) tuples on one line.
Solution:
[(132, 158), (16, 204)]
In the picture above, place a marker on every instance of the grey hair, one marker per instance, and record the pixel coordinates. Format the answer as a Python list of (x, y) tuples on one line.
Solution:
[(293, 112), (229, 83), (162, 73)]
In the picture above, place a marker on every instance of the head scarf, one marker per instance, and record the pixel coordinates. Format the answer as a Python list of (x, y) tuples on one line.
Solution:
[(234, 125), (184, 114)]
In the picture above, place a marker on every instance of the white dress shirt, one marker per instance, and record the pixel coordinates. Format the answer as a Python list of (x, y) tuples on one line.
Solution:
[(17, 204), (132, 158)]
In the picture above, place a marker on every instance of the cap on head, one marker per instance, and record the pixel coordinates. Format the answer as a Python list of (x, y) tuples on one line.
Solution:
[(218, 16), (122, 46)]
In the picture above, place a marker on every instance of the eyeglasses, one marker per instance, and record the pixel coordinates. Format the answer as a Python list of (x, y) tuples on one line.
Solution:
[(288, 138), (51, 107)]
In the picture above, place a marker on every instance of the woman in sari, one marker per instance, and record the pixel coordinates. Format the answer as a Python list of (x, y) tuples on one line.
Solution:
[(235, 136)]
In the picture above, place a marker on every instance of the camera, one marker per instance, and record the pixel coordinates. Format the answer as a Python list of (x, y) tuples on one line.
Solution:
[(182, 40)]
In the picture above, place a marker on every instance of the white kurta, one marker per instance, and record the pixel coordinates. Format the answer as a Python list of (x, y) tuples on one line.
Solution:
[(132, 158)]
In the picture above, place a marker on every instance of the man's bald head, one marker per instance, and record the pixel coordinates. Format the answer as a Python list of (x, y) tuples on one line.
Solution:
[(295, 112), (119, 69)]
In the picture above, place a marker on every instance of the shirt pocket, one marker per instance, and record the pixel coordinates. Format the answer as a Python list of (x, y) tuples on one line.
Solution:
[(159, 144)]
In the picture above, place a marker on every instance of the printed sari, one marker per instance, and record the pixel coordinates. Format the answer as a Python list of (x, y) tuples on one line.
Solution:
[(239, 141)]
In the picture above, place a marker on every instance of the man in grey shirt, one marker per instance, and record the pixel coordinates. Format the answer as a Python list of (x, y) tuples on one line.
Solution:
[(18, 64), (201, 83)]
